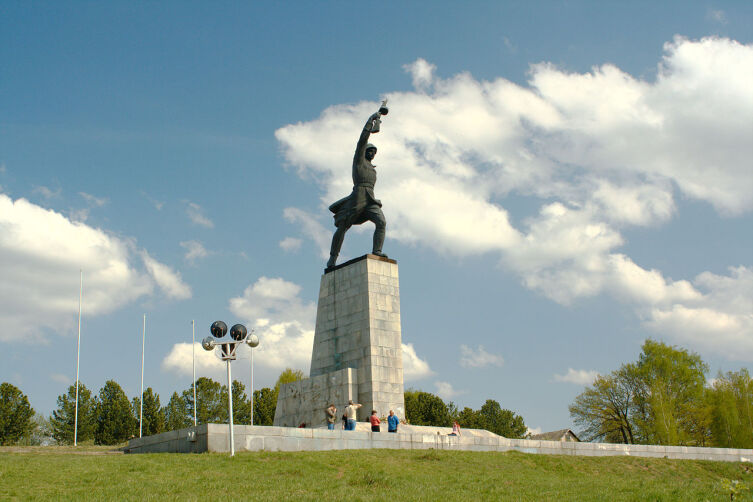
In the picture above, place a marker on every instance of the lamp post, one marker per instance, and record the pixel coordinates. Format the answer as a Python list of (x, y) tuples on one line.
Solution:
[(239, 335)]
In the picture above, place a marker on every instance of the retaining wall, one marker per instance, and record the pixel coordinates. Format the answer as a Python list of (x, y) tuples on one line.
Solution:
[(214, 438)]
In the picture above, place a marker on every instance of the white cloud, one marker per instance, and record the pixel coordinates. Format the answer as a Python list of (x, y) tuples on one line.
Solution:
[(311, 228), (717, 16), (422, 72), (579, 377), (283, 322), (414, 368), (61, 378), (180, 361), (166, 278), (290, 244), (445, 390), (194, 251), (599, 152), (92, 200), (478, 358), (41, 253), (47, 192), (196, 214)]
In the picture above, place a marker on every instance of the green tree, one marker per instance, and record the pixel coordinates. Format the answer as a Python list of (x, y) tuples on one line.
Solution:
[(604, 411), (501, 421), (288, 375), (241, 403), (40, 433), (211, 407), (63, 418), (423, 408), (265, 404), (469, 419), (153, 416), (114, 421), (176, 413), (670, 395), (15, 414), (731, 410)]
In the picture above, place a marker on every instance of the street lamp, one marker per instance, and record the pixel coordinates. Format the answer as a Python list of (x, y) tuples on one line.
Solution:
[(239, 335)]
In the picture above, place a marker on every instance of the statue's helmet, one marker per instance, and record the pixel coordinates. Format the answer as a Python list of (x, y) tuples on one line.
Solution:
[(370, 146)]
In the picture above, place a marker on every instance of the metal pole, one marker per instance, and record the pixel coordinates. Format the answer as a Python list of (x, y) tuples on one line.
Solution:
[(230, 407), (193, 353), (252, 385), (78, 354), (141, 398)]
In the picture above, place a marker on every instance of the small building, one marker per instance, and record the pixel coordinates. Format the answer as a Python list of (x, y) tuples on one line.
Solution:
[(565, 435)]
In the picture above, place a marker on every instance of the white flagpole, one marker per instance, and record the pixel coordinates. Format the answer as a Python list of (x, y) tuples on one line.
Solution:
[(78, 354), (252, 385), (141, 396), (193, 350)]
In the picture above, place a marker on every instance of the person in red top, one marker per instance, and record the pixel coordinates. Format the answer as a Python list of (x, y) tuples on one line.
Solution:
[(374, 419)]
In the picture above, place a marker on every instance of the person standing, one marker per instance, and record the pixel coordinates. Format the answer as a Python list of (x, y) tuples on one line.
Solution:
[(350, 411), (392, 422), (375, 422), (331, 413)]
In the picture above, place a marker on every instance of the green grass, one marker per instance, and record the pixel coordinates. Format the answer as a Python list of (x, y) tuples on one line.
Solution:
[(47, 474)]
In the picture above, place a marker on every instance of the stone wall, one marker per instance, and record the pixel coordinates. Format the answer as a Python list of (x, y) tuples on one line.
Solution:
[(304, 401), (214, 438)]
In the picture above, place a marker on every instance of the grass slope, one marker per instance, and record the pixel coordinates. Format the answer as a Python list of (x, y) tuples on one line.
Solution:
[(50, 474)]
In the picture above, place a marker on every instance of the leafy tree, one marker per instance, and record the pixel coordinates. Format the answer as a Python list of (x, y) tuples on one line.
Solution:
[(153, 417), (265, 404), (501, 421), (114, 421), (241, 403), (211, 407), (469, 419), (604, 410), (669, 396), (288, 375), (176, 413), (15, 414), (731, 405), (423, 408), (40, 433), (62, 420)]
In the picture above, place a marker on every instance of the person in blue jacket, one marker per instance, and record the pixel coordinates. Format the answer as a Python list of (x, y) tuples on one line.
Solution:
[(392, 422)]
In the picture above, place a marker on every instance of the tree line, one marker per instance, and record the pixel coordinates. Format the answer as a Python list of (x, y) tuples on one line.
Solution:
[(111, 418), (664, 398)]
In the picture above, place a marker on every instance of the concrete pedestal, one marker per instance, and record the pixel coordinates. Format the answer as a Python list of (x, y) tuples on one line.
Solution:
[(357, 328)]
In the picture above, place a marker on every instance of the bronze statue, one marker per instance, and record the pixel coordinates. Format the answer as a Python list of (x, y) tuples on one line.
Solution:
[(361, 205)]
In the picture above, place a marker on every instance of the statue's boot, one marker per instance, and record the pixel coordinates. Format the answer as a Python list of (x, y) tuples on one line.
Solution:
[(337, 242), (379, 234)]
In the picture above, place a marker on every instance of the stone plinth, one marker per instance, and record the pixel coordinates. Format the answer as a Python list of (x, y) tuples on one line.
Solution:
[(358, 328)]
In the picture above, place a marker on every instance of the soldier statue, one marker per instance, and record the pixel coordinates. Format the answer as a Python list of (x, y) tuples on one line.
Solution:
[(361, 205)]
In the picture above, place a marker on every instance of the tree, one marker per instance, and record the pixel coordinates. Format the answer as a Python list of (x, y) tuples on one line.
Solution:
[(469, 419), (731, 410), (153, 417), (211, 407), (40, 433), (604, 411), (176, 413), (501, 421), (15, 414), (265, 404), (114, 422), (423, 408), (288, 375), (63, 418), (241, 404), (670, 395)]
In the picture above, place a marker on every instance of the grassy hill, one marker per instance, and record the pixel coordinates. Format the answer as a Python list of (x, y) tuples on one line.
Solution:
[(94, 473)]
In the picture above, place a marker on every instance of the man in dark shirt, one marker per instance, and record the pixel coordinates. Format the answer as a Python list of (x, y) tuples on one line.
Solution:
[(361, 205)]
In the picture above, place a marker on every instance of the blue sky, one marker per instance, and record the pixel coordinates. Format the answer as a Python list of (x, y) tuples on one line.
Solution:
[(561, 180)]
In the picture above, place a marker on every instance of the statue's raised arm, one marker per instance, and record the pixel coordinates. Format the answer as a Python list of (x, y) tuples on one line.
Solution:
[(361, 205)]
